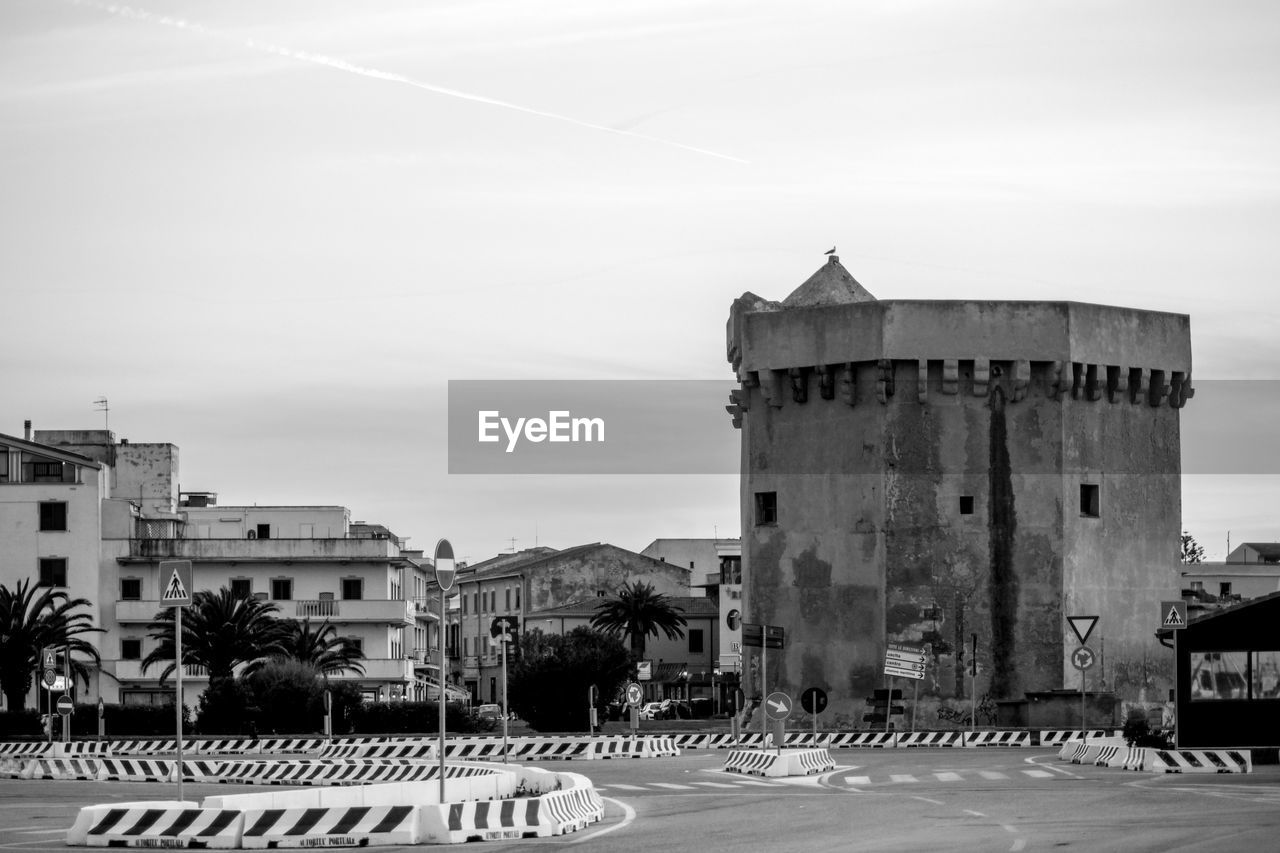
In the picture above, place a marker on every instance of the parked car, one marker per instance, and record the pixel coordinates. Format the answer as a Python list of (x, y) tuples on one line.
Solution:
[(651, 711), (489, 712), (701, 707)]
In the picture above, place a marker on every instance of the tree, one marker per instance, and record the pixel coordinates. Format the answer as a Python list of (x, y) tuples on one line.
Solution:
[(550, 682), (322, 649), (220, 631), (1191, 550), (637, 613), (31, 618)]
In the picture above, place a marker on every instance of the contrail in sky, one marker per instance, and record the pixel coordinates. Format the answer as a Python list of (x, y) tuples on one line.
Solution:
[(341, 65)]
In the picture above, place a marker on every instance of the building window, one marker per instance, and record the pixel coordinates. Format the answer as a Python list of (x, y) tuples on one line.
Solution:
[(508, 598), (131, 648), (282, 589), (53, 515), (695, 641), (1224, 589), (242, 587), (130, 589), (517, 598), (464, 603), (53, 571), (146, 697), (264, 531), (966, 504), (355, 643), (352, 589), (47, 472), (1197, 586), (1090, 500), (1219, 675), (691, 564), (766, 508)]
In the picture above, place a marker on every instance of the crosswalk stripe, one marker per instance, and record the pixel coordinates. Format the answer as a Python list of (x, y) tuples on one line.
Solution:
[(947, 777), (992, 774), (672, 786), (622, 787), (760, 784), (902, 777), (857, 780), (714, 785), (1038, 774)]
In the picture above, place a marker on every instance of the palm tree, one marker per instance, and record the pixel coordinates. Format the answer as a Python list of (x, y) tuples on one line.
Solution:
[(636, 613), (220, 631), (31, 618), (322, 649)]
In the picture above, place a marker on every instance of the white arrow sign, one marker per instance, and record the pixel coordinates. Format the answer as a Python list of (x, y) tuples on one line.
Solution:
[(778, 706)]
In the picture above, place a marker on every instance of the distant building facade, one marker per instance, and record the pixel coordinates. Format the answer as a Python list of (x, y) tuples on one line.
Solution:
[(95, 517), (945, 473), (535, 581)]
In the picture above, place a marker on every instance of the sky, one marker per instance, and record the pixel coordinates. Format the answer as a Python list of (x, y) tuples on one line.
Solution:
[(271, 232)]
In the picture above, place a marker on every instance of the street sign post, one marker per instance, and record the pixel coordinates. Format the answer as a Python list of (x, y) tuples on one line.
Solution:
[(763, 637), (814, 701), (1083, 626), (177, 581), (635, 695), (65, 706), (777, 706)]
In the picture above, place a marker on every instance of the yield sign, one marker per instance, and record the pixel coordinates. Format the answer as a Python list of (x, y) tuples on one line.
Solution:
[(1083, 626)]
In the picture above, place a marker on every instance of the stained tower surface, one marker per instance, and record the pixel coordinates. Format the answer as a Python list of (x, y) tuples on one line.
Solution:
[(918, 471)]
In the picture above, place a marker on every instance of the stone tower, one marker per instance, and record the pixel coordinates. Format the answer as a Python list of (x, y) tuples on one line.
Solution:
[(925, 471)]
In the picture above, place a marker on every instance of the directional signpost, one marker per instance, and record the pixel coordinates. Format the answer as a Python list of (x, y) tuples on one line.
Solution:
[(1082, 658), (763, 637), (903, 662), (1173, 614), (176, 585), (635, 695)]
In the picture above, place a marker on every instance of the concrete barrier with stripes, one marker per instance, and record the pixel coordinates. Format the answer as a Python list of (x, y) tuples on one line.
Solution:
[(920, 739), (1200, 761), (546, 748), (756, 762), (993, 738), (135, 770), (157, 824), (1058, 737), (62, 768), (350, 826)]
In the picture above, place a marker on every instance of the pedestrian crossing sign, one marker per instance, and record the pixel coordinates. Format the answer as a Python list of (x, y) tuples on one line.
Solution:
[(175, 583), (1173, 614)]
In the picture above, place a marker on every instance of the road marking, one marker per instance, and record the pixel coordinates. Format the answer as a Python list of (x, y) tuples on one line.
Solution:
[(672, 786), (620, 787), (759, 784), (947, 777), (715, 784), (992, 774), (628, 816), (902, 777), (927, 800), (40, 831), (1038, 774), (1012, 830), (852, 780), (975, 814), (1018, 844)]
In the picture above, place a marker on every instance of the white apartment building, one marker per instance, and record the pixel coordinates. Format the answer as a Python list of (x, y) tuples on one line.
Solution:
[(82, 512)]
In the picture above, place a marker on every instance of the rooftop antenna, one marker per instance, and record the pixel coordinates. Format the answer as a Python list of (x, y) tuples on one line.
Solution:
[(101, 403), (513, 544)]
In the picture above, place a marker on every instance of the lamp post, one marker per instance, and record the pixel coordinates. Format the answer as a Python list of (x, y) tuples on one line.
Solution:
[(445, 570)]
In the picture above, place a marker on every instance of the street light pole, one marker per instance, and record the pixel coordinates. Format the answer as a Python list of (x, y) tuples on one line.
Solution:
[(445, 571)]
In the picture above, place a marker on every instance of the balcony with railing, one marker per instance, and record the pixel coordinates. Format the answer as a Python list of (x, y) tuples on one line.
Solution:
[(131, 670), (146, 548), (384, 611)]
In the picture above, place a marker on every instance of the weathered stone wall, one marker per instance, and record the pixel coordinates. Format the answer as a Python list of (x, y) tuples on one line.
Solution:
[(870, 421)]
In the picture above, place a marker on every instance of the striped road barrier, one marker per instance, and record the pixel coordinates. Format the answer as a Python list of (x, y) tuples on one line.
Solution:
[(1059, 737), (385, 750), (1201, 761), (226, 746), (171, 824), (550, 749), (289, 745), (996, 739), (852, 740), (29, 748), (912, 739), (809, 761), (755, 762), (135, 770), (474, 750), (1131, 758), (1106, 755), (62, 768), (350, 826)]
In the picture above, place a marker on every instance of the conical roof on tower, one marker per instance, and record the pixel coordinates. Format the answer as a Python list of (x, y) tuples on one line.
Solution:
[(830, 285)]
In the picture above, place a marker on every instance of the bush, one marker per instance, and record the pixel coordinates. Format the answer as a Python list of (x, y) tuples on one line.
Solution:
[(288, 698), (550, 680), (16, 724), (412, 718), (1138, 732), (226, 707)]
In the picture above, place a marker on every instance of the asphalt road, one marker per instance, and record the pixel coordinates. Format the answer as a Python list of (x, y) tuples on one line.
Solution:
[(898, 800)]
